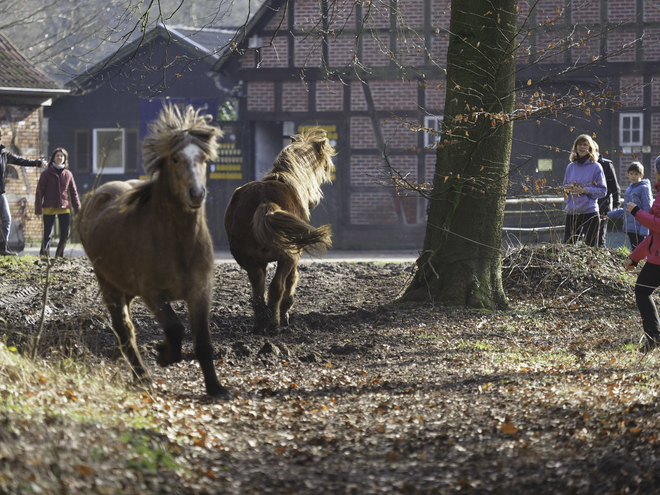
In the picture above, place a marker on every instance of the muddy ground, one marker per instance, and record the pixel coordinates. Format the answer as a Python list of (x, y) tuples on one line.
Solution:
[(361, 396)]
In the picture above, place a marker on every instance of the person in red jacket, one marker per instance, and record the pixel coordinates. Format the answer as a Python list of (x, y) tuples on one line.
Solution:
[(649, 277), (56, 195)]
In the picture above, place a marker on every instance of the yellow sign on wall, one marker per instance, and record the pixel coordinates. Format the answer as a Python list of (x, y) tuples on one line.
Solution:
[(229, 164)]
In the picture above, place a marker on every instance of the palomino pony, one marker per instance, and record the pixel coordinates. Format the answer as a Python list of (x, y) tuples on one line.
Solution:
[(150, 239), (268, 220)]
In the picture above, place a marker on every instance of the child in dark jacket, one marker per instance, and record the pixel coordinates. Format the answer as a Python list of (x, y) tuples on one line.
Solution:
[(638, 192), (56, 195), (649, 278)]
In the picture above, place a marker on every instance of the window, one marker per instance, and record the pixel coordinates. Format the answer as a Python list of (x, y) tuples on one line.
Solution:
[(432, 128), (631, 127), (109, 151)]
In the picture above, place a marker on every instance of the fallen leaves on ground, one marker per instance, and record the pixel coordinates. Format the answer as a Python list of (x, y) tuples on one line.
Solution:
[(357, 396)]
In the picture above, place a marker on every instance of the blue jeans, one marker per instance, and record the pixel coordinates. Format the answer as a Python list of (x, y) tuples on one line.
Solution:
[(6, 217)]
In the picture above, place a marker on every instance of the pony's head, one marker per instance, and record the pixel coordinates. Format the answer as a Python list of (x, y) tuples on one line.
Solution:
[(305, 165), (176, 149)]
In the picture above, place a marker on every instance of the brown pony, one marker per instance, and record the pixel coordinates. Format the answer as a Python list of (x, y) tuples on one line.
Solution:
[(149, 238), (268, 220)]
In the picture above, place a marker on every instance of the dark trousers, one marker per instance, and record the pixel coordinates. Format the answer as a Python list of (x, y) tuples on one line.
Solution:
[(647, 281), (577, 225), (602, 232), (64, 220), (635, 239)]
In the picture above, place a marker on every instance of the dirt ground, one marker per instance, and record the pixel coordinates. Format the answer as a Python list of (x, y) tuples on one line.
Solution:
[(361, 396)]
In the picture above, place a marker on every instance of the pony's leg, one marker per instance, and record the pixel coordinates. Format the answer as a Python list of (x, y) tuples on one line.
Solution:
[(169, 351), (257, 275), (119, 307), (287, 298), (199, 309), (285, 266)]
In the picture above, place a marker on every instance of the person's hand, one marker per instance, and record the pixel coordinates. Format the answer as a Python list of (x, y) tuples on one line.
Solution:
[(630, 266), (577, 190), (44, 163), (630, 207)]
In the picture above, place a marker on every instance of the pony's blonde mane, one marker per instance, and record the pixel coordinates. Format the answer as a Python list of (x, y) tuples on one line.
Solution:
[(172, 131), (305, 165)]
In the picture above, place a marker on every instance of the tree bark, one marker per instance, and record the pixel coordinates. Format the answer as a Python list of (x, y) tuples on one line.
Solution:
[(460, 264)]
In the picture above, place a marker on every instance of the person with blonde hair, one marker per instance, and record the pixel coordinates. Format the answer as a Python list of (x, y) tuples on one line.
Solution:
[(584, 184)]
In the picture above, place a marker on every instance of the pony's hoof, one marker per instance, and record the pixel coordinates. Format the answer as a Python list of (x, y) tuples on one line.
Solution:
[(217, 391), (167, 356), (260, 329)]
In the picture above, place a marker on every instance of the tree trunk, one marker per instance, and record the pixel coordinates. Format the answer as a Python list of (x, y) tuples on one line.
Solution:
[(461, 261)]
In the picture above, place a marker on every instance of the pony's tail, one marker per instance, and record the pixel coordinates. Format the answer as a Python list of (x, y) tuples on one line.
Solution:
[(282, 231)]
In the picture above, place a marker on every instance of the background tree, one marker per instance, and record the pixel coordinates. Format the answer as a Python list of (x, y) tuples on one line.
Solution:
[(461, 259), (66, 37)]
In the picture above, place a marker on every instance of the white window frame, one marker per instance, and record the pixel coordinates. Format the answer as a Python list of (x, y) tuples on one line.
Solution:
[(96, 165), (630, 128), (432, 122)]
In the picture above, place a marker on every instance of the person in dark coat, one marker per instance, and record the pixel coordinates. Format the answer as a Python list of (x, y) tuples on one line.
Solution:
[(56, 195), (612, 199), (7, 158)]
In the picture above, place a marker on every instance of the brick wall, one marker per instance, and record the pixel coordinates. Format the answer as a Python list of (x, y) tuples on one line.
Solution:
[(376, 51), (632, 91), (358, 100), (624, 163), (549, 11), (585, 12), (376, 13), (307, 51), (329, 96), (342, 15), (24, 123), (405, 165), (275, 52), (621, 10), (307, 15), (279, 20), (651, 13), (440, 13), (249, 60), (550, 48), (261, 96), (651, 44), (585, 46), (621, 45), (366, 170), (439, 45), (411, 14), (655, 129), (373, 208), (429, 168), (362, 133), (410, 50), (394, 95), (655, 91), (435, 96), (397, 135), (295, 96), (341, 50)]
